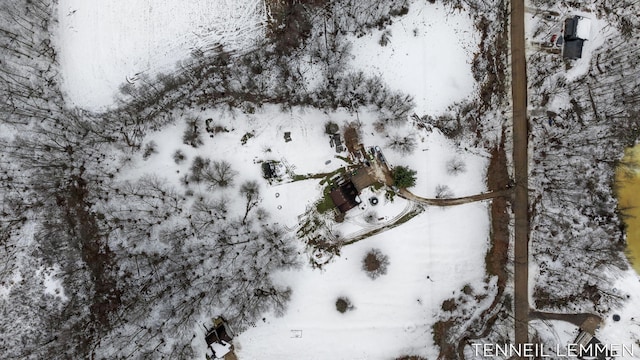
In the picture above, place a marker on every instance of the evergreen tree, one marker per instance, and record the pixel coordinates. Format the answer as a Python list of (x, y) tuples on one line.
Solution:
[(404, 177)]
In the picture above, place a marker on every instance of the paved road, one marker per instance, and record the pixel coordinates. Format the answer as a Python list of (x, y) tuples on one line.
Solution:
[(520, 161)]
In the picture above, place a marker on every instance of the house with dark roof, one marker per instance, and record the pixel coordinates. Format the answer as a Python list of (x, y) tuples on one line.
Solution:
[(576, 32), (345, 197)]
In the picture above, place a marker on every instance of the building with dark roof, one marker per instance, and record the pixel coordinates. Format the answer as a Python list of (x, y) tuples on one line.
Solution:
[(218, 339), (570, 28), (573, 49), (345, 197), (576, 31)]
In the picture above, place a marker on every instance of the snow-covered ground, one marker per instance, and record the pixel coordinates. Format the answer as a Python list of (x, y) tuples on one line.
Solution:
[(428, 56), (430, 259), (626, 330), (433, 152), (104, 43)]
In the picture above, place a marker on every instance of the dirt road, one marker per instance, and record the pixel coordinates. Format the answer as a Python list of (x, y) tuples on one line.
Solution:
[(586, 321), (454, 201), (520, 161)]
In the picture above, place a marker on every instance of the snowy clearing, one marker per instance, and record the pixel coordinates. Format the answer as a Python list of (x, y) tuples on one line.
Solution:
[(626, 330), (105, 43), (431, 258), (428, 56)]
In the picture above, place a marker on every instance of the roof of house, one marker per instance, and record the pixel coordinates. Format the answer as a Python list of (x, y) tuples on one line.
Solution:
[(570, 28), (583, 28), (577, 27), (345, 197), (267, 170), (573, 49), (220, 350), (219, 333)]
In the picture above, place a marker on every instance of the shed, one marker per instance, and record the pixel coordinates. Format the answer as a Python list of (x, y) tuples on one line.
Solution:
[(219, 339), (590, 347)]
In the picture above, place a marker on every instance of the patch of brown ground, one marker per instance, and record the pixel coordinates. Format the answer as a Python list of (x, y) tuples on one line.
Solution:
[(231, 355), (352, 138), (498, 179)]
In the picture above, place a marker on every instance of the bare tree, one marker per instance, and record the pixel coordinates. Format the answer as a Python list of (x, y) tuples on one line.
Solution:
[(456, 166), (219, 174), (402, 144), (250, 190), (443, 192), (198, 169), (375, 263)]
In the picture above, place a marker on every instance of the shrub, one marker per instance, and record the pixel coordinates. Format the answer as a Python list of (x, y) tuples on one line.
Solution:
[(402, 144), (331, 128), (385, 38), (443, 192), (404, 177), (149, 149), (192, 134), (198, 168), (371, 217), (246, 137), (179, 157), (375, 263), (343, 304)]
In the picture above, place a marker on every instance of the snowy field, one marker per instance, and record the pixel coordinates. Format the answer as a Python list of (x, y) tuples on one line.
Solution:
[(430, 259), (627, 329), (428, 56), (108, 42)]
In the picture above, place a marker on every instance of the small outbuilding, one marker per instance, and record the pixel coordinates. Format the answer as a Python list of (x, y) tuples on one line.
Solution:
[(218, 339)]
